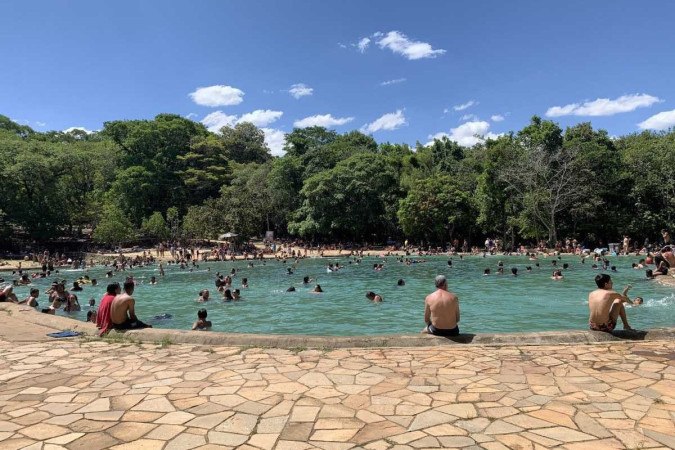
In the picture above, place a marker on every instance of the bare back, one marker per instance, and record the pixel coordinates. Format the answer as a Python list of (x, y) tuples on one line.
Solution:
[(599, 303), (122, 308), (441, 309)]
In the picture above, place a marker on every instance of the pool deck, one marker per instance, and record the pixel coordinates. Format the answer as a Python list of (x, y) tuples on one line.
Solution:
[(518, 391)]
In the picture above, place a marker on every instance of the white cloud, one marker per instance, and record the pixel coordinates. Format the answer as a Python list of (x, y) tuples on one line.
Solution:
[(394, 81), (466, 117), (467, 134), (190, 115), (40, 124), (363, 44), (68, 130), (322, 120), (219, 95), (217, 120), (390, 121), (399, 43), (497, 118), (341, 45), (660, 121), (445, 110), (464, 106), (275, 140), (261, 117), (604, 106), (300, 90)]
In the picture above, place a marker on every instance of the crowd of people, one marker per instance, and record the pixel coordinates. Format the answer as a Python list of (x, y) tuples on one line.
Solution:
[(441, 315)]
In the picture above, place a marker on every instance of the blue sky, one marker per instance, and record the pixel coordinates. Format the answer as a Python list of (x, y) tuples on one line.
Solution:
[(80, 63)]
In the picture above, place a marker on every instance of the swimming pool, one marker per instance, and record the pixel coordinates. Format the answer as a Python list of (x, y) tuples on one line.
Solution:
[(494, 303)]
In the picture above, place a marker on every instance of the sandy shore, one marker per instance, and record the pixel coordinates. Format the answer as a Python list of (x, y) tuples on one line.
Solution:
[(13, 264)]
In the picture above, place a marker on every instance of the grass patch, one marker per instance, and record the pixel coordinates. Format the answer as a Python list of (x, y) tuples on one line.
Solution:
[(164, 342), (297, 350)]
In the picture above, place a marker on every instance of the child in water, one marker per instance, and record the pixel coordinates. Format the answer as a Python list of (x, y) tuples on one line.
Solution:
[(202, 323)]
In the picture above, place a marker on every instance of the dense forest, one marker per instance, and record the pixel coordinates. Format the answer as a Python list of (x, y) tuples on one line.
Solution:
[(170, 178)]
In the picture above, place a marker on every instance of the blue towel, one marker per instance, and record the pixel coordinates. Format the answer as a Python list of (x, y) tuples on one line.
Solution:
[(64, 334)]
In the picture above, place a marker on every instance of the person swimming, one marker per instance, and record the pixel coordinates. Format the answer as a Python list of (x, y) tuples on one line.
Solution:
[(203, 296), (373, 297), (317, 289), (400, 282), (202, 324)]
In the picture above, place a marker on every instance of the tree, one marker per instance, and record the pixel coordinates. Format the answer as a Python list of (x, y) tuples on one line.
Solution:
[(245, 204), (205, 168), (546, 183), (498, 211), (155, 227), (434, 209), (245, 143), (114, 227), (284, 183), (356, 199), (205, 221), (647, 161), (32, 197), (137, 193), (302, 140)]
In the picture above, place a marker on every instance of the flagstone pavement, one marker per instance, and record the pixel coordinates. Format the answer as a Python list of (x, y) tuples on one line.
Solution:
[(89, 395)]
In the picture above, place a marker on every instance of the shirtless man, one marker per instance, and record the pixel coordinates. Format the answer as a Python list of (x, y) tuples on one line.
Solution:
[(122, 312), (441, 310), (606, 305)]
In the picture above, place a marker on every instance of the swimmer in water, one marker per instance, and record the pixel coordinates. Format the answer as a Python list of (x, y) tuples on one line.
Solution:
[(236, 294), (400, 282), (486, 271), (227, 295), (317, 289), (373, 297), (202, 323), (557, 275), (153, 280), (244, 283), (514, 271), (203, 296)]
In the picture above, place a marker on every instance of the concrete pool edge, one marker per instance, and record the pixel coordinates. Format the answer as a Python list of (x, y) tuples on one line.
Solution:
[(22, 313)]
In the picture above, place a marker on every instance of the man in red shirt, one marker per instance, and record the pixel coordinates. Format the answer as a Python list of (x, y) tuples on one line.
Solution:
[(103, 319)]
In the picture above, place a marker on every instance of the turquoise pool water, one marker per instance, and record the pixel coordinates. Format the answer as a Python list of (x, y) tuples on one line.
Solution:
[(494, 303)]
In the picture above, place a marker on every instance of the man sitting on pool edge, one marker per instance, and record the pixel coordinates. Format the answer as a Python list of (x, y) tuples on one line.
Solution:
[(122, 310), (606, 305), (441, 310)]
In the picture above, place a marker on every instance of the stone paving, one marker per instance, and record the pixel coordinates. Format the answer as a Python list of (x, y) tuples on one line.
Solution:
[(82, 394)]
